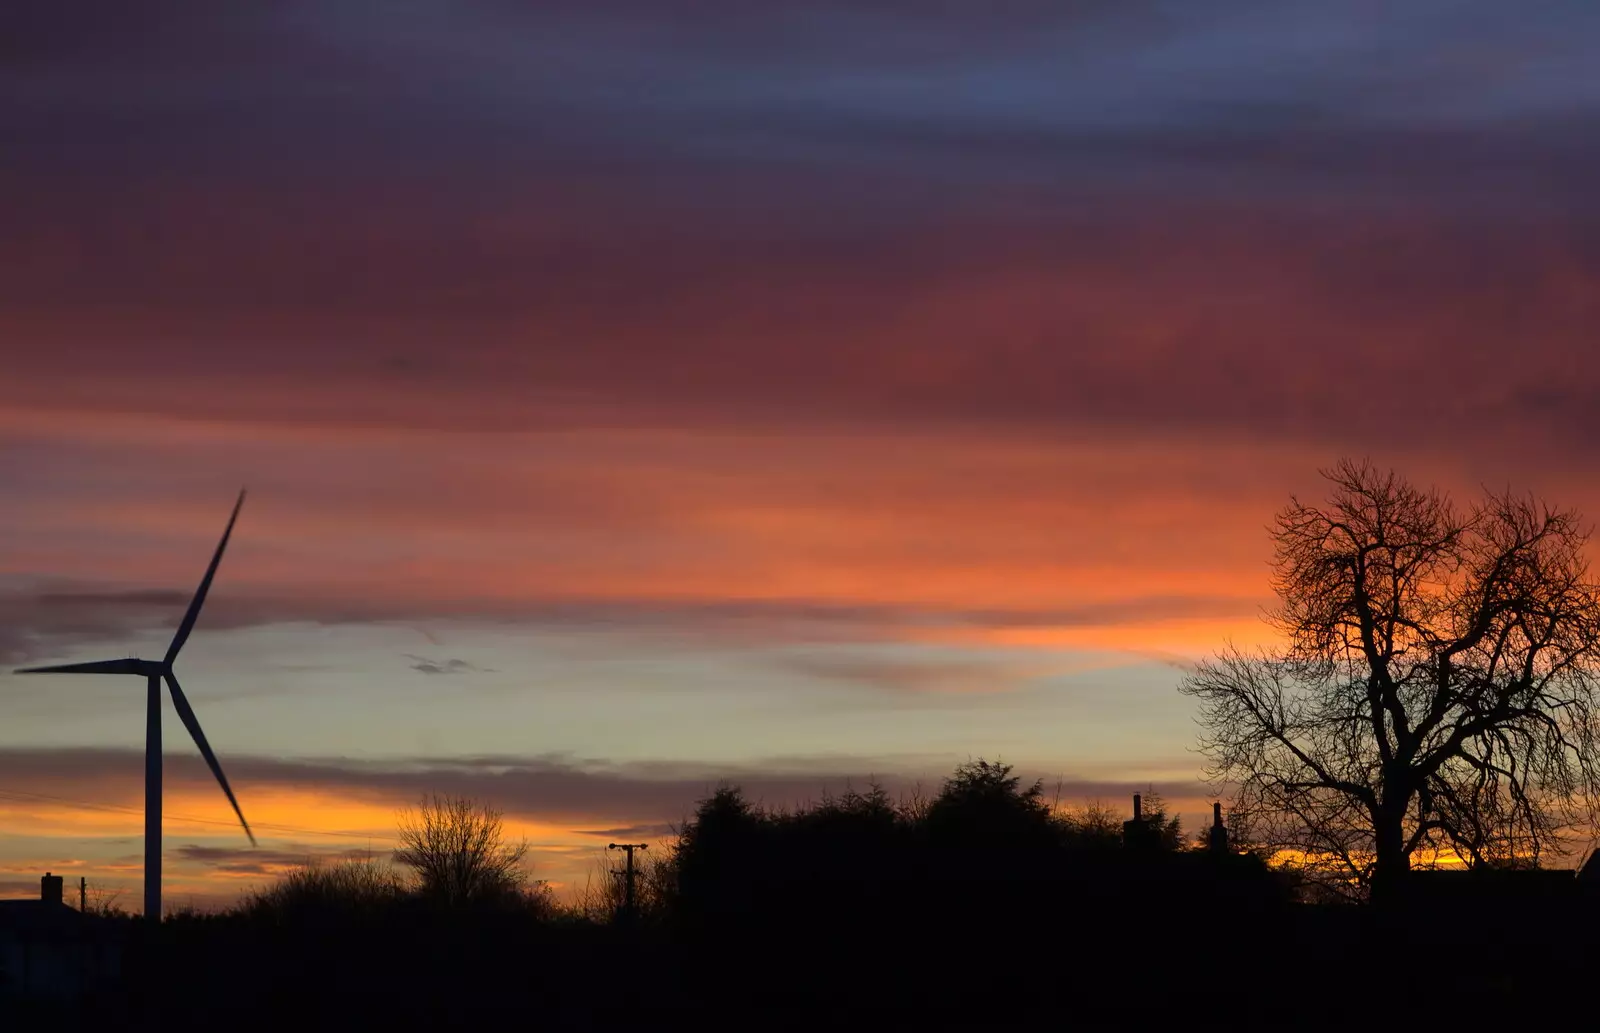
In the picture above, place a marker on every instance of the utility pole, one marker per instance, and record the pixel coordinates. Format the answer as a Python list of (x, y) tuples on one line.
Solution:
[(83, 895), (628, 873)]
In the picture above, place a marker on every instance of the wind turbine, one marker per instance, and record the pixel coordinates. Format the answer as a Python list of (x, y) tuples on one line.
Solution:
[(155, 672)]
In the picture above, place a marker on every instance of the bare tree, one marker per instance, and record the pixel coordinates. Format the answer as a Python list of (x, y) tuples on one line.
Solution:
[(105, 903), (603, 895), (458, 850), (1094, 822), (1437, 693)]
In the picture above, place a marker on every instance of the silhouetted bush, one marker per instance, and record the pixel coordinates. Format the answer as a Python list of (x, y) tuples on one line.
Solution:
[(906, 891), (349, 890)]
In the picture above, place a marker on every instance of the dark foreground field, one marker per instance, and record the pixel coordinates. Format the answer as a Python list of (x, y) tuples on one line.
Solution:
[(1167, 942)]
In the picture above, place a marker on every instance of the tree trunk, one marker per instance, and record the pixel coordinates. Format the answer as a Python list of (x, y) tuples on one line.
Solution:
[(1388, 875)]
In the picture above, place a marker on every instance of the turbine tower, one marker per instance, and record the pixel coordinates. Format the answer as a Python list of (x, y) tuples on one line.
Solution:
[(154, 673)]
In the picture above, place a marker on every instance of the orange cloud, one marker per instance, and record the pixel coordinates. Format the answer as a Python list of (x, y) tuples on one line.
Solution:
[(998, 529)]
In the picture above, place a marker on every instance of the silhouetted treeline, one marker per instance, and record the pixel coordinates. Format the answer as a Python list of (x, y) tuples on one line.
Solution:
[(981, 906), (981, 901)]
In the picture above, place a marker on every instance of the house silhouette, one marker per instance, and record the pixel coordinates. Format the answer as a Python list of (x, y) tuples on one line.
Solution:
[(50, 951)]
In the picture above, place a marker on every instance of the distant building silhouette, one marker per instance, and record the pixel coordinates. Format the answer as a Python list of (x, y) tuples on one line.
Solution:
[(1140, 834), (1217, 837), (1589, 874), (1511, 891), (49, 951)]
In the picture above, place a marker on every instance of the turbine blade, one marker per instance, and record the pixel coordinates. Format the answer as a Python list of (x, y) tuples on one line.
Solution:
[(186, 715), (205, 586), (129, 666)]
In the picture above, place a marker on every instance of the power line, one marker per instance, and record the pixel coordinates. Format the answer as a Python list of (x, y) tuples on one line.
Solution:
[(116, 809)]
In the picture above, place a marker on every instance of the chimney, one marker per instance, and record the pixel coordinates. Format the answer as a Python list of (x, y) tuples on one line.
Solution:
[(1217, 838), (50, 888), (1137, 834)]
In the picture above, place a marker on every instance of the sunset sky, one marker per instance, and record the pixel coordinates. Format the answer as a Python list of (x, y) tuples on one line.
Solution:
[(638, 395)]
